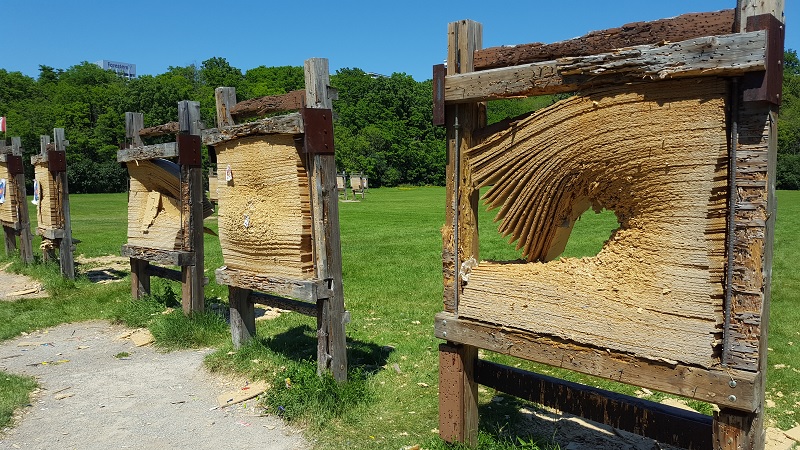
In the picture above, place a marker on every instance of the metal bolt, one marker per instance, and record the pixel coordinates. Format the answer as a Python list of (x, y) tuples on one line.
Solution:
[(732, 383), (444, 323), (444, 333), (731, 398)]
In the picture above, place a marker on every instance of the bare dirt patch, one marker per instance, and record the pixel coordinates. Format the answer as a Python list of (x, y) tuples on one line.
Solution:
[(99, 391), (14, 286)]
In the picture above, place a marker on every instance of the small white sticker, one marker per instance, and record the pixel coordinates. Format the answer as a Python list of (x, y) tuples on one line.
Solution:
[(247, 221), (35, 200), (228, 173)]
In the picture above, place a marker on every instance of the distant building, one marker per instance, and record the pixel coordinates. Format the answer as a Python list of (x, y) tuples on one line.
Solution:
[(126, 70)]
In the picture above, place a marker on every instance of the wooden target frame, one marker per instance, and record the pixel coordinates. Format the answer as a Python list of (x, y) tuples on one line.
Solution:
[(742, 49), (14, 209)]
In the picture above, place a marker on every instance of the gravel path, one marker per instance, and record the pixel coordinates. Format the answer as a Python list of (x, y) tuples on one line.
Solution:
[(91, 399)]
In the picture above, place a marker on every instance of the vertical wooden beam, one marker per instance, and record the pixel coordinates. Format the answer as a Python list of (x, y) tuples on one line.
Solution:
[(755, 143), (134, 122), (65, 253), (226, 99), (192, 289), (10, 240), (331, 318), (460, 239), (140, 278), (243, 317), (25, 235)]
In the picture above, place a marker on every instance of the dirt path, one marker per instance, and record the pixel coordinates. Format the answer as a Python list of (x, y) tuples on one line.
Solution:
[(13, 286), (92, 397)]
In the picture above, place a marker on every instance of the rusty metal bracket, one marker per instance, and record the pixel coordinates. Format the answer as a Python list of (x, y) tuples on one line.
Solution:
[(56, 161), (318, 125), (439, 72), (767, 86), (14, 164), (188, 149)]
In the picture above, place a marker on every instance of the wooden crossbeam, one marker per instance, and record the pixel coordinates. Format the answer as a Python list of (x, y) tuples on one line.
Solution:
[(291, 101), (728, 55), (286, 124)]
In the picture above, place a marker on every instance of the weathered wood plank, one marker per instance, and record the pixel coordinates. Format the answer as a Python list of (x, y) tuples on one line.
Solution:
[(243, 318), (287, 124), (665, 424), (65, 254), (160, 130), (458, 389), (168, 257), (134, 122), (305, 290), (168, 274), (255, 107), (727, 55), (709, 385), (681, 28), (301, 307), (166, 150), (140, 278), (225, 98), (25, 237)]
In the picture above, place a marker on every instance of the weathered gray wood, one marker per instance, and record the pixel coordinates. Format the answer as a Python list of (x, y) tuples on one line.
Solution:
[(167, 150), (168, 274), (460, 233), (458, 391), (65, 254), (225, 99), (134, 122), (713, 386), (140, 278), (752, 8), (728, 55), (304, 290), (243, 318), (25, 236), (10, 240), (665, 424), (255, 107), (51, 233), (286, 124), (167, 257), (301, 307), (325, 230), (675, 29)]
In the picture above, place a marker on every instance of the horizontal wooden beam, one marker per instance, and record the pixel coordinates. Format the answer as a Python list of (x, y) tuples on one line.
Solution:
[(16, 226), (160, 130), (735, 389), (286, 124), (665, 424), (305, 308), (728, 55), (160, 256), (169, 274), (304, 290), (166, 150), (270, 104), (50, 233), (681, 28)]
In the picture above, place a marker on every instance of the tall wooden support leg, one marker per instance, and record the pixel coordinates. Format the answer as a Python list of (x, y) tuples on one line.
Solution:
[(66, 256), (140, 278), (458, 394), (10, 240), (243, 318), (325, 228), (754, 141), (193, 294)]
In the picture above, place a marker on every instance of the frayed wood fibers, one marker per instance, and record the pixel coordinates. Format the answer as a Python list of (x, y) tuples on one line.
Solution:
[(264, 210), (154, 213), (49, 211), (8, 209), (655, 154)]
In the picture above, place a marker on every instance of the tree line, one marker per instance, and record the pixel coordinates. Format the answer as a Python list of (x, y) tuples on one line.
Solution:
[(383, 124)]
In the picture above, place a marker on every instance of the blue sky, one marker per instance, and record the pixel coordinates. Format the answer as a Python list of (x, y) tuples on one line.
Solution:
[(404, 36)]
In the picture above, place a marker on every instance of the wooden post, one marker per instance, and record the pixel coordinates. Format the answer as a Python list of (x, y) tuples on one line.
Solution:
[(754, 142), (460, 237), (66, 257), (331, 315), (192, 295), (226, 99), (25, 235), (140, 278), (133, 123), (243, 318)]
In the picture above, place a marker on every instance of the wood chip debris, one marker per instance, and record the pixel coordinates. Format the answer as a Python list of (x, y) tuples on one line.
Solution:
[(247, 392)]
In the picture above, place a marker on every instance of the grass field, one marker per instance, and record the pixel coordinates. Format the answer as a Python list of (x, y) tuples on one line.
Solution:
[(391, 249)]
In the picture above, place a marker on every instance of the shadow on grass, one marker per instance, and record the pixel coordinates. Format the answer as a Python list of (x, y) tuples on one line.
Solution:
[(300, 344)]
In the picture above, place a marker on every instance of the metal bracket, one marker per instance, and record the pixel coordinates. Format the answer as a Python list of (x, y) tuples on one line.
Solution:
[(318, 126), (56, 161), (439, 72), (766, 86), (14, 164), (188, 149)]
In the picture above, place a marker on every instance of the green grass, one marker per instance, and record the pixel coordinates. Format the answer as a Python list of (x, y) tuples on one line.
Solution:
[(391, 250), (14, 393)]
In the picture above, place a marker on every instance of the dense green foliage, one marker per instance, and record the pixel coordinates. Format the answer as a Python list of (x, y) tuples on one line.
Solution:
[(383, 124)]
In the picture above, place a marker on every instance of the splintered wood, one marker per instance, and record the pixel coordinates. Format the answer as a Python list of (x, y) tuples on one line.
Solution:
[(8, 209), (653, 153), (154, 213), (264, 214), (49, 211)]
